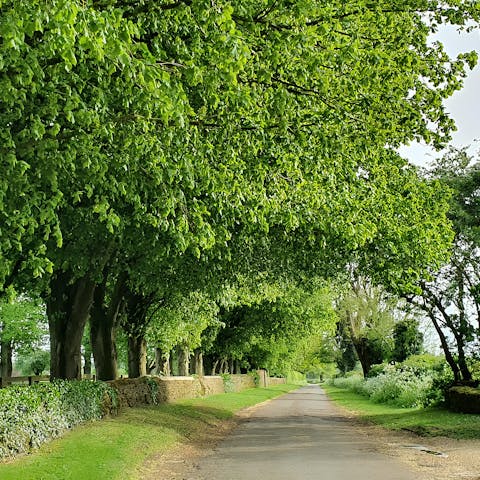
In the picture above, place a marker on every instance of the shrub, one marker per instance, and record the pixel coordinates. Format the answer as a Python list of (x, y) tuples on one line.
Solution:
[(352, 383), (400, 387), (376, 369), (228, 384), (30, 416), (256, 377)]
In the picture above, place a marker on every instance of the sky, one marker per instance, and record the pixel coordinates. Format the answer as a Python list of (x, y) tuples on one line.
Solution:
[(463, 106)]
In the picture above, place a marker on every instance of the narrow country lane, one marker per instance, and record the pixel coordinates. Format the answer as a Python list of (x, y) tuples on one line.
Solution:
[(297, 436)]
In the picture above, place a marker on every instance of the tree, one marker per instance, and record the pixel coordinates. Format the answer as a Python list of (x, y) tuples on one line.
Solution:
[(449, 297), (367, 316), (34, 362), (22, 329), (407, 339), (346, 357)]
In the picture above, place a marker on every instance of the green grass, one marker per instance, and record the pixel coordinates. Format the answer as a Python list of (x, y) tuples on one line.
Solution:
[(432, 421), (114, 448)]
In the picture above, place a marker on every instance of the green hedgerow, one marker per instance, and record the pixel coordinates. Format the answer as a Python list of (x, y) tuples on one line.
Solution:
[(32, 415)]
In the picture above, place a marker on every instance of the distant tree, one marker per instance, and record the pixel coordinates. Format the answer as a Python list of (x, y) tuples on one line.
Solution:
[(23, 325), (35, 362), (367, 317), (346, 355), (407, 339)]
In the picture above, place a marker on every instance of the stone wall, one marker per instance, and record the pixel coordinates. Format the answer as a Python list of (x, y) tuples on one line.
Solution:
[(142, 391), (242, 382), (276, 381)]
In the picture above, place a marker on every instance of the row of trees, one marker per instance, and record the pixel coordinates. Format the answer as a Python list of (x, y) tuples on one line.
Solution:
[(164, 150)]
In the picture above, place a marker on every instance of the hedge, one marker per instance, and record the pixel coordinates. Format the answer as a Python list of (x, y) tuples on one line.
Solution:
[(464, 399), (32, 415)]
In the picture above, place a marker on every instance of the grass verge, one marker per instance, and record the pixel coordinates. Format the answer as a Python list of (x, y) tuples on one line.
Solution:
[(114, 448), (431, 421)]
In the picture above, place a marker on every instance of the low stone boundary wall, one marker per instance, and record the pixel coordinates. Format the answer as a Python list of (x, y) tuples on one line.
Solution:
[(151, 390), (276, 381), (242, 382)]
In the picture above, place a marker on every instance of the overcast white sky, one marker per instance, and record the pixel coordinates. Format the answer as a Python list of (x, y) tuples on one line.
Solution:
[(463, 106)]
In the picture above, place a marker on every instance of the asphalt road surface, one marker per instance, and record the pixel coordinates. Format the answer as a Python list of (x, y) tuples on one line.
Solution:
[(298, 436)]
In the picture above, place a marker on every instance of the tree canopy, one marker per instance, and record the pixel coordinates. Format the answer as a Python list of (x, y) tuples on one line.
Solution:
[(137, 133)]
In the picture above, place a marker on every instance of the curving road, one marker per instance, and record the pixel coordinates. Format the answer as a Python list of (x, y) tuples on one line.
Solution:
[(297, 436)]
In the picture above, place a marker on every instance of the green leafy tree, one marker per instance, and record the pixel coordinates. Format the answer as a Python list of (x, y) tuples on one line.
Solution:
[(407, 339), (449, 297), (367, 315), (34, 362), (22, 329), (180, 323)]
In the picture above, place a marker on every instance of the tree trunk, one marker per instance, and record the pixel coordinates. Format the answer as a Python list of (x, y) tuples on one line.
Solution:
[(238, 369), (222, 365), (198, 362), (162, 362), (68, 308), (174, 361), (362, 354), (103, 328), (232, 366), (462, 362), (461, 332), (6, 360), (137, 356), (214, 367), (87, 361), (446, 350), (135, 325), (183, 361)]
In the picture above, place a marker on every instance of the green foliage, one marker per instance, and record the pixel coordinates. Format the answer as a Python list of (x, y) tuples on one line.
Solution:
[(420, 381), (295, 378), (366, 317), (182, 320), (449, 297), (30, 416), (23, 322), (33, 363), (425, 362), (239, 120), (256, 377), (228, 384), (153, 385), (272, 328)]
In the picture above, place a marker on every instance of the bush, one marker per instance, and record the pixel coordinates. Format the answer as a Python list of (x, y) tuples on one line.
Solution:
[(400, 387), (376, 369), (30, 416)]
